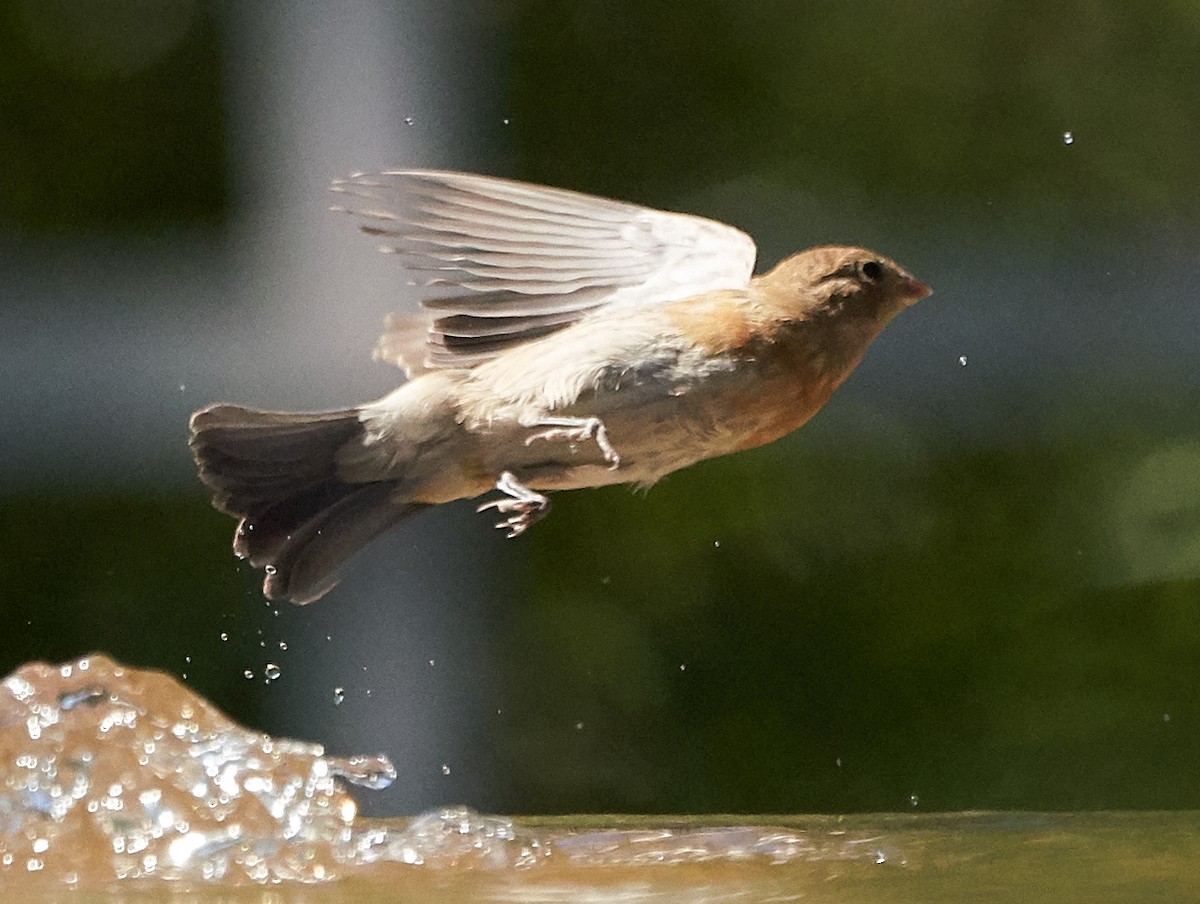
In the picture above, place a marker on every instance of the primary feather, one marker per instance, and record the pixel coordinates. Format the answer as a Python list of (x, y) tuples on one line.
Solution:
[(539, 258)]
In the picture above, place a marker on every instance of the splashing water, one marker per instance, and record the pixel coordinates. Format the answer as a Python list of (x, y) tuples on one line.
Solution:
[(110, 773), (93, 751), (116, 773)]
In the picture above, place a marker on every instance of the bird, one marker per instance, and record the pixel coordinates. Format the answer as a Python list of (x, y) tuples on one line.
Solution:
[(565, 341)]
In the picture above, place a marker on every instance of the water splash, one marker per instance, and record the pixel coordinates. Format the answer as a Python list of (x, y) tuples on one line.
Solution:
[(111, 773), (374, 772)]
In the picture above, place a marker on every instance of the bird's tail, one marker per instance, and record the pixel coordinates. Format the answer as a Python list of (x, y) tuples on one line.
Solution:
[(278, 473)]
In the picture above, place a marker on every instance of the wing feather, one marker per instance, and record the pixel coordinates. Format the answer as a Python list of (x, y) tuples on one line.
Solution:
[(527, 260)]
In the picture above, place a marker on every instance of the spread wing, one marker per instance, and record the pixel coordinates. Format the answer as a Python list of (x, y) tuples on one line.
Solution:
[(512, 262)]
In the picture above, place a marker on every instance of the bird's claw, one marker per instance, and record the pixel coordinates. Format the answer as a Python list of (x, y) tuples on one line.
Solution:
[(523, 506), (576, 430)]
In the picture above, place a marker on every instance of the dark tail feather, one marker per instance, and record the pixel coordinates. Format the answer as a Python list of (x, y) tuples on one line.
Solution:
[(277, 472), (302, 554)]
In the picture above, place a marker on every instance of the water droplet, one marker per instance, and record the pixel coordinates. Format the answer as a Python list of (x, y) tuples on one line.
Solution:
[(445, 769), (270, 569), (1068, 137), (962, 360), (249, 674), (683, 666), (505, 121), (579, 726), (913, 800), (716, 544), (271, 672), (183, 387), (373, 772), (408, 120), (431, 663), (283, 644), (838, 762), (339, 694), (1166, 717)]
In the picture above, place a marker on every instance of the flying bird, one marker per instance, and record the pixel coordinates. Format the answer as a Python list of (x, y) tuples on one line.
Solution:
[(568, 341)]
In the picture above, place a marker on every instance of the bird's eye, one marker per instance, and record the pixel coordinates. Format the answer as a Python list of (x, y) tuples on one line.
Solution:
[(870, 270)]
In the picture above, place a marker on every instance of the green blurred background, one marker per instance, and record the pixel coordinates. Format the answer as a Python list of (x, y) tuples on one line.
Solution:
[(972, 582)]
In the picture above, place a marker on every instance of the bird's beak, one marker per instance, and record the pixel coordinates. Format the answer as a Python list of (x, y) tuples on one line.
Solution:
[(914, 290)]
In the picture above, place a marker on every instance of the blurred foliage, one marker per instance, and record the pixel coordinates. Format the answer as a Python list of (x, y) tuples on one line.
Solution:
[(132, 576), (901, 106), (797, 631), (111, 116)]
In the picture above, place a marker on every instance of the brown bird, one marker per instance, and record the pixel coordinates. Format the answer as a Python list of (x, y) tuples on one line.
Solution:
[(573, 341)]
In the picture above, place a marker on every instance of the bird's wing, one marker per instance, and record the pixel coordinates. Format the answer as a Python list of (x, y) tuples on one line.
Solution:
[(514, 262)]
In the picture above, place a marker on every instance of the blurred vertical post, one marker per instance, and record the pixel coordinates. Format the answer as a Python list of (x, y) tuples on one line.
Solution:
[(318, 91)]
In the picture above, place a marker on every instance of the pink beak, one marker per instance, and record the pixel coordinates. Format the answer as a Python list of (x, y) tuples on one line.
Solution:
[(914, 289)]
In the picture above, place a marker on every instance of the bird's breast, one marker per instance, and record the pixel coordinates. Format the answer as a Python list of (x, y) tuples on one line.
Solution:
[(665, 399)]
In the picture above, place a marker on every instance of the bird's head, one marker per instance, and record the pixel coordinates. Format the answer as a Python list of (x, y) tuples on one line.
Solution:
[(836, 280)]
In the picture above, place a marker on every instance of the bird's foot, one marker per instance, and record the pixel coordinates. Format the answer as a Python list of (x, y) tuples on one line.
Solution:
[(524, 507), (575, 430)]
